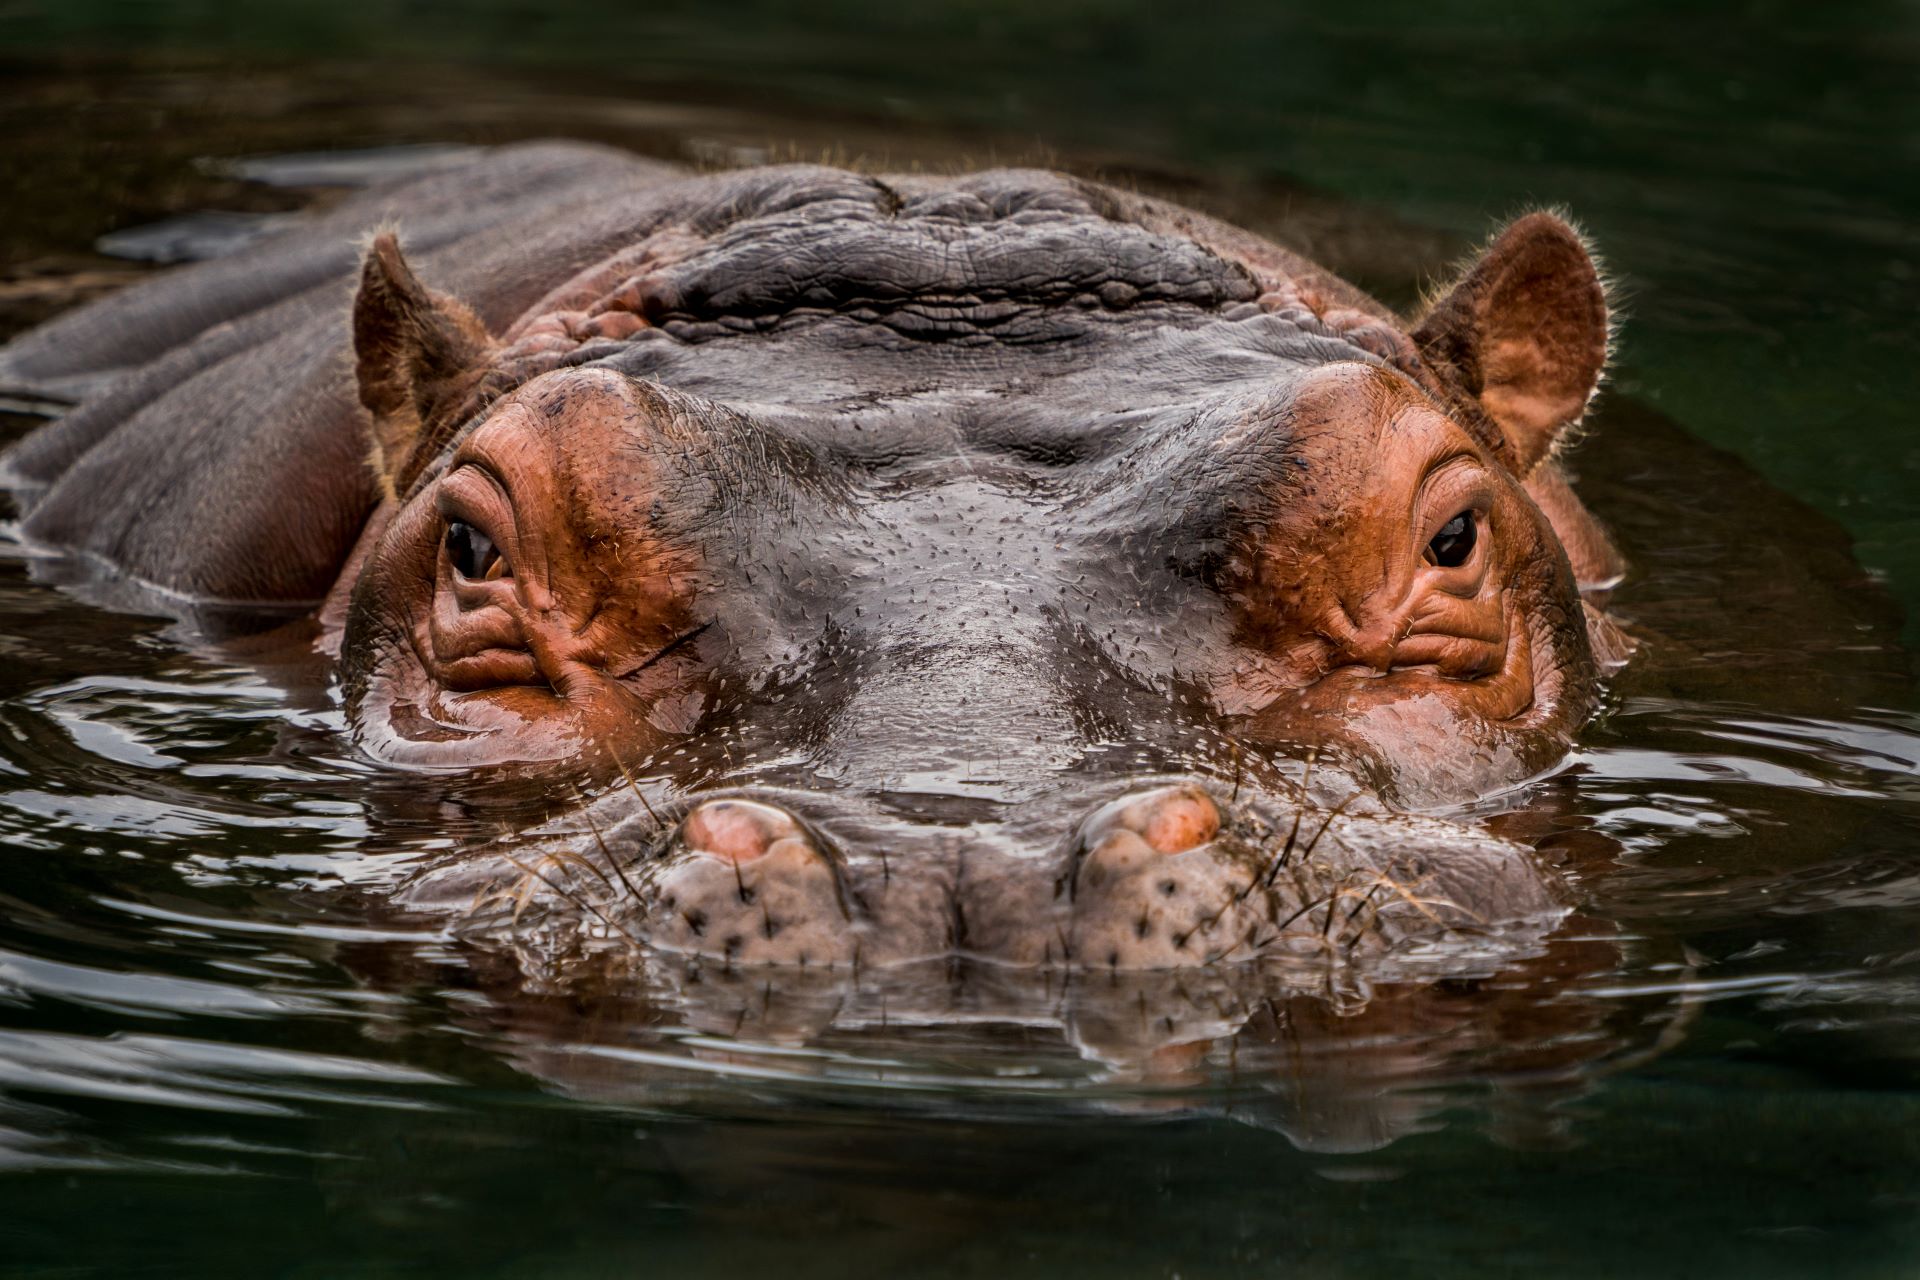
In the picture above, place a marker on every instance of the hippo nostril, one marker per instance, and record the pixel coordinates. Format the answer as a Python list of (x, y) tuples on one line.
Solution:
[(1155, 884), (1166, 819), (738, 831), (1180, 819), (747, 884)]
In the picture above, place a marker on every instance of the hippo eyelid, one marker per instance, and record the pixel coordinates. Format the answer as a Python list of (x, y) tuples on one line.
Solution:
[(1453, 486), (474, 494), (1460, 471)]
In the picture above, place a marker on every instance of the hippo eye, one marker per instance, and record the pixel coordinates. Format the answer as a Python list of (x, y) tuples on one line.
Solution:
[(473, 554), (1453, 544)]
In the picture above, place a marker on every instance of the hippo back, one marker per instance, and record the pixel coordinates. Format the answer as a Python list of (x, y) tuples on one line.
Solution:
[(216, 448)]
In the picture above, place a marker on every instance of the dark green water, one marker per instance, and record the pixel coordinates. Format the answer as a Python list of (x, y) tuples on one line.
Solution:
[(212, 1063)]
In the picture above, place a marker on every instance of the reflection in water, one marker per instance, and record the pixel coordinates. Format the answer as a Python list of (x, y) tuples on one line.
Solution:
[(1335, 1068)]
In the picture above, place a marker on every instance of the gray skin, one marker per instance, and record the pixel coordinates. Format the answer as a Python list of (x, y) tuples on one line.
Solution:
[(998, 566)]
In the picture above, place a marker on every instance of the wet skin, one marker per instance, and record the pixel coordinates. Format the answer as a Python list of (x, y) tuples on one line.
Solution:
[(998, 566)]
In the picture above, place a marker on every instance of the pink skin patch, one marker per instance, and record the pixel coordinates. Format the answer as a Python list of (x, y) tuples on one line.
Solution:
[(1180, 820), (738, 831), (1166, 820)]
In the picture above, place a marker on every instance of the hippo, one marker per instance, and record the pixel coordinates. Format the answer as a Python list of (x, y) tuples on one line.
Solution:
[(870, 570)]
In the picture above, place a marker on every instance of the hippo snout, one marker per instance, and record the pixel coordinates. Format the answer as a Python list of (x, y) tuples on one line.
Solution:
[(1167, 874), (744, 882)]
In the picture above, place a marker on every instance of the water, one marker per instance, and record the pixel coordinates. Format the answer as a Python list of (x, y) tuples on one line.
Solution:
[(219, 1056)]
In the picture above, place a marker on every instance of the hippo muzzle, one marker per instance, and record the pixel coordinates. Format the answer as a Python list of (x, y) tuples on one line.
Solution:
[(1132, 874)]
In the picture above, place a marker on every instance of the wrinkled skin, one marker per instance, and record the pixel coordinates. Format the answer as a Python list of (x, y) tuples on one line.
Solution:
[(998, 566)]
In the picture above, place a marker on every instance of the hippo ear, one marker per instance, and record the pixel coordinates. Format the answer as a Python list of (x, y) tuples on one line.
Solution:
[(415, 352), (1524, 332)]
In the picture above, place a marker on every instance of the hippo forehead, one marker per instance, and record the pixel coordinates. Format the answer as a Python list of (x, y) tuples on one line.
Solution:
[(949, 262), (1015, 310)]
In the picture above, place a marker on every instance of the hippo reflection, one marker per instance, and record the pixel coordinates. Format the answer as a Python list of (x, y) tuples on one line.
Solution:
[(998, 566)]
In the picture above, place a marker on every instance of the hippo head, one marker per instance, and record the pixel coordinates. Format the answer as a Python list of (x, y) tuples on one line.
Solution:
[(999, 566)]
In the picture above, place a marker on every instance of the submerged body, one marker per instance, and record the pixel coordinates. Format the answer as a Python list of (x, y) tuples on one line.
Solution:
[(998, 566)]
